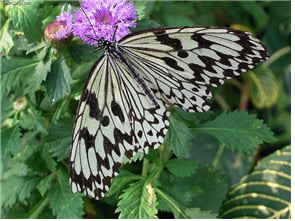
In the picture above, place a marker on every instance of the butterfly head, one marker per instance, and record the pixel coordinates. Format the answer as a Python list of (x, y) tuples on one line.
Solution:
[(103, 44)]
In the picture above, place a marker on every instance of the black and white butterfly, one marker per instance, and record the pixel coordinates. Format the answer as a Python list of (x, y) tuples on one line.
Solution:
[(124, 105)]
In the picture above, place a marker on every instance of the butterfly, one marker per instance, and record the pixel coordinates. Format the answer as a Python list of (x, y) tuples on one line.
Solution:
[(124, 107)]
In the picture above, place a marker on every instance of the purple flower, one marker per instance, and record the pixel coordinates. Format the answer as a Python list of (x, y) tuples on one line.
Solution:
[(108, 19), (61, 28), (66, 19)]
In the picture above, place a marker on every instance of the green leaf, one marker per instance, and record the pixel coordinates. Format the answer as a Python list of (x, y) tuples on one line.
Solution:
[(207, 151), (179, 136), (65, 204), (10, 140), (59, 140), (182, 189), (138, 202), (48, 160), (16, 71), (138, 156), (238, 131), (121, 181), (44, 66), (263, 194), (205, 189), (16, 189), (174, 206), (14, 168), (31, 119), (197, 213), (143, 8), (27, 19), (16, 165), (44, 185), (181, 167), (5, 39), (264, 89), (58, 81)]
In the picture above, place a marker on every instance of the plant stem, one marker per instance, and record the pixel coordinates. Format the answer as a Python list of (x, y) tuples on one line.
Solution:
[(39, 208), (245, 93), (222, 103), (145, 167), (277, 55), (218, 156)]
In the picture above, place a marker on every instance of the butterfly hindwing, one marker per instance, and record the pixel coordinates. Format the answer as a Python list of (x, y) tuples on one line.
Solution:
[(114, 119)]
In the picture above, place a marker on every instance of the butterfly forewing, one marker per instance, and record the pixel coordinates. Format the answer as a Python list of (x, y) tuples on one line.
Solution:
[(115, 117)]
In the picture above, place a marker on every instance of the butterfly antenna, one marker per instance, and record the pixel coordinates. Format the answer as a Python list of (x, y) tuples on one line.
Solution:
[(90, 25), (116, 28)]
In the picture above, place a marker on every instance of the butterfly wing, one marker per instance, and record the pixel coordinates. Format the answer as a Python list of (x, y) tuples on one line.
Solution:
[(180, 62), (114, 118)]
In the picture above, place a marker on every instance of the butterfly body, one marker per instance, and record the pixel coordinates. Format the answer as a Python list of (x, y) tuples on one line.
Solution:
[(125, 104)]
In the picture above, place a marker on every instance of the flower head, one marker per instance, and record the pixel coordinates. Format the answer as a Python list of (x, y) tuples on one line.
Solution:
[(108, 19), (61, 28)]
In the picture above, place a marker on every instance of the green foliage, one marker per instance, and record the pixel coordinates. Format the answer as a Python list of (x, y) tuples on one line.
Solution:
[(14, 72), (64, 204), (59, 81), (264, 90), (189, 175), (265, 193), (17, 189), (138, 201), (27, 20), (238, 131), (181, 167), (178, 136)]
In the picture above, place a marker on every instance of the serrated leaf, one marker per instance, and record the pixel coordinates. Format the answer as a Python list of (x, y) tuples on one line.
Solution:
[(121, 181), (26, 18), (181, 167), (264, 90), (45, 183), (265, 193), (205, 189), (10, 140), (15, 71), (182, 189), (138, 202), (31, 119), (65, 204), (48, 160), (179, 135), (15, 165), (197, 213), (59, 140), (58, 81), (238, 131), (44, 66), (174, 206), (5, 39), (138, 156), (16, 189)]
